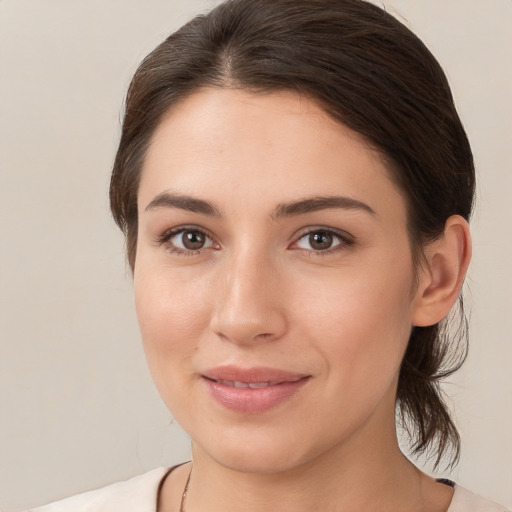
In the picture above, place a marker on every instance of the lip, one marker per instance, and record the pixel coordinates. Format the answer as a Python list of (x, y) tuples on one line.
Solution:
[(252, 390)]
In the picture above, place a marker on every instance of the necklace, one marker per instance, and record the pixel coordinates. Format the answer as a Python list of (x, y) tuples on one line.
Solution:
[(184, 495)]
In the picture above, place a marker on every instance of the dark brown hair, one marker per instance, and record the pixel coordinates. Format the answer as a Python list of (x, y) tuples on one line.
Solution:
[(369, 72)]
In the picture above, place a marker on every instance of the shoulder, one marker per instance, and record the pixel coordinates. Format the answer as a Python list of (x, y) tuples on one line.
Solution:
[(137, 494), (466, 501)]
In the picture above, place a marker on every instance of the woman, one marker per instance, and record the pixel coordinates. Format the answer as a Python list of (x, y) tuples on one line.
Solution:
[(295, 186)]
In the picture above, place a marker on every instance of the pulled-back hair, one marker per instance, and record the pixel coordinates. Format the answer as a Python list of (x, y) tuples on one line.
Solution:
[(369, 72)]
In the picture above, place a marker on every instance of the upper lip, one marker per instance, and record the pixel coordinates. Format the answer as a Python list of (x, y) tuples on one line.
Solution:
[(259, 374)]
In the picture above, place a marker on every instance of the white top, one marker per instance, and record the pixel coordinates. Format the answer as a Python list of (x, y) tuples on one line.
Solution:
[(140, 493)]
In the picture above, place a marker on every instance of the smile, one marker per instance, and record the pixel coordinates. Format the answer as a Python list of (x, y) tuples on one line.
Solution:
[(253, 385), (252, 391)]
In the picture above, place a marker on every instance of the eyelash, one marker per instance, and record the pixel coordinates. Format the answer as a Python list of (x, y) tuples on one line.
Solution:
[(345, 241), (165, 237)]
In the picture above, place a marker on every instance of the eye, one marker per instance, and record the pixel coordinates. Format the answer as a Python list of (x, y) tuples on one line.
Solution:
[(186, 240), (321, 240), (191, 240)]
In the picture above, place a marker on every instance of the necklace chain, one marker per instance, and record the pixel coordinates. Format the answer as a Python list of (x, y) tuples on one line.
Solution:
[(184, 495)]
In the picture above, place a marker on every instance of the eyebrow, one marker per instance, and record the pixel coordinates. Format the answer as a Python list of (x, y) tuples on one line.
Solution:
[(315, 204), (301, 207), (183, 202)]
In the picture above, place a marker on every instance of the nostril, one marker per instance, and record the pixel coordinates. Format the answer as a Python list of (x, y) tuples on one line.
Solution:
[(240, 335), (246, 312)]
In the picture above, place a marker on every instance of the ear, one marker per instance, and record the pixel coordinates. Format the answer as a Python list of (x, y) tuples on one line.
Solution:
[(442, 274)]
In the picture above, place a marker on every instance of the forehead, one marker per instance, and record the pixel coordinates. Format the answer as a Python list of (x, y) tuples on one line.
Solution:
[(244, 147)]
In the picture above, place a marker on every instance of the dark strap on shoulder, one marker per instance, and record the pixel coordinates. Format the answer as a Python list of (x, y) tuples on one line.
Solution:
[(446, 481)]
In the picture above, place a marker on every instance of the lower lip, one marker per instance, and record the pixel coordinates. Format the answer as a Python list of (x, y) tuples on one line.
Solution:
[(253, 401)]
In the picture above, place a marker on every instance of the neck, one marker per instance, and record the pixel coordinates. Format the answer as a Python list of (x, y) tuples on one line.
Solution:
[(360, 476), (303, 490), (366, 471)]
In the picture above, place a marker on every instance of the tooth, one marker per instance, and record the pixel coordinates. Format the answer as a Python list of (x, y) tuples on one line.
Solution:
[(252, 385), (258, 385)]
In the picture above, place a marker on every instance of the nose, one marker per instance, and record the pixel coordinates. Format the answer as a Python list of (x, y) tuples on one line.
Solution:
[(248, 303)]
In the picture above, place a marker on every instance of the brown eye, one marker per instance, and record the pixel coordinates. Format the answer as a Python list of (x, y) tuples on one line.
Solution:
[(190, 240), (193, 240), (321, 240)]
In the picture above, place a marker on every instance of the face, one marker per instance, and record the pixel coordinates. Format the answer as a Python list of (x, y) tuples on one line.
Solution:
[(274, 281)]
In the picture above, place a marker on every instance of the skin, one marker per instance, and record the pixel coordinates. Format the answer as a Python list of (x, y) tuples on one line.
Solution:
[(260, 293)]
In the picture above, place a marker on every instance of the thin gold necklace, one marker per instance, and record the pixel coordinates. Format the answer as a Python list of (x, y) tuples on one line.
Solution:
[(184, 495)]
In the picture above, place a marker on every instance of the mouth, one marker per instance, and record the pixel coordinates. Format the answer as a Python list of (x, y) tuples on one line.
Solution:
[(252, 385), (253, 390), (234, 375)]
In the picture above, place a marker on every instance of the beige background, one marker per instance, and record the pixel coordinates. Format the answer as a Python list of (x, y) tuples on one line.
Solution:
[(78, 409)]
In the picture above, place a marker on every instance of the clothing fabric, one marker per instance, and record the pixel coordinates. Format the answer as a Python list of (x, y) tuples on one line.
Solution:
[(140, 494), (466, 501)]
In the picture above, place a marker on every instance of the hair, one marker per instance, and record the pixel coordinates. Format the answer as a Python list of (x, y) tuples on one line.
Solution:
[(367, 71)]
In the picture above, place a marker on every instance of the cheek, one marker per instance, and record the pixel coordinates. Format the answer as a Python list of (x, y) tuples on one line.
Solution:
[(173, 314), (362, 320)]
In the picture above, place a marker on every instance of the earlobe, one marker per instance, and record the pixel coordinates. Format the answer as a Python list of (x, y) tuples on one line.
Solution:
[(442, 276)]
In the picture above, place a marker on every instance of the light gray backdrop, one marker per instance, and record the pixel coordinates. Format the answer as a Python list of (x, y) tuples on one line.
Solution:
[(78, 409)]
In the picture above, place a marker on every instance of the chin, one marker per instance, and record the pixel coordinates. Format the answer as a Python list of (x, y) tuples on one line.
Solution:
[(256, 462), (259, 452)]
